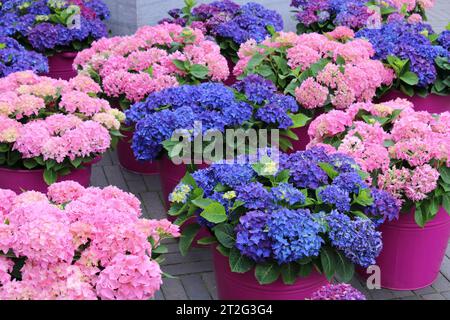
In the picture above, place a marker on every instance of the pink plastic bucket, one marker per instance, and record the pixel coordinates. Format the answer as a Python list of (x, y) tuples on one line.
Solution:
[(412, 256), (432, 103), (129, 162), (32, 180), (236, 286), (60, 66), (303, 139)]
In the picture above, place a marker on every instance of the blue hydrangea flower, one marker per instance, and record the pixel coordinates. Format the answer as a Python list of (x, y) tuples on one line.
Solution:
[(384, 206), (254, 196), (350, 182), (357, 239), (252, 238), (287, 193), (233, 175), (295, 235), (336, 197)]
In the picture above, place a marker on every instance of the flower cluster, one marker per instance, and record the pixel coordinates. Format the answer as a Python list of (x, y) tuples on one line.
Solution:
[(293, 214), (214, 106), (54, 25), (320, 71), (227, 21), (325, 15), (411, 53), (341, 291), (155, 58), (403, 150), (14, 57), (44, 119), (78, 244)]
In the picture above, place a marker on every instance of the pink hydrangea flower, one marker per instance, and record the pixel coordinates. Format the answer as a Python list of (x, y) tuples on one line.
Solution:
[(311, 94)]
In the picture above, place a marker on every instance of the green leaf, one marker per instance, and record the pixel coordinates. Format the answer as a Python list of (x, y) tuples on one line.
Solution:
[(305, 270), (255, 60), (180, 64), (187, 237), (410, 78), (267, 273), (445, 174), (215, 213), (364, 198), (419, 217), (76, 162), (207, 241), (239, 263), (345, 269), (30, 163), (223, 251), (199, 71), (327, 258), (160, 250), (202, 203), (289, 272), (299, 120), (329, 169), (50, 176), (446, 202), (225, 235)]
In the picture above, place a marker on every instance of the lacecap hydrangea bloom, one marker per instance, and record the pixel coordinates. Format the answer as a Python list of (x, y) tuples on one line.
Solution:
[(228, 22), (78, 244), (51, 26), (410, 49), (253, 101), (46, 120), (406, 153), (14, 57), (314, 204), (153, 59), (321, 71)]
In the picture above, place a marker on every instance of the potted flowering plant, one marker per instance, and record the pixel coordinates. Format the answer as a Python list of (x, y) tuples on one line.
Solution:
[(229, 23), (325, 15), (252, 104), (56, 28), (14, 57), (52, 129), (282, 228), (406, 154), (340, 291), (323, 72), (79, 244), (419, 58), (155, 58)]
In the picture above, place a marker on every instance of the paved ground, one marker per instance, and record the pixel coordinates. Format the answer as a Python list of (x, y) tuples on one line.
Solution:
[(195, 277), (194, 273)]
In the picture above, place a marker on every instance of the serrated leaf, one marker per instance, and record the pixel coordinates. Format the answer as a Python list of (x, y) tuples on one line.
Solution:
[(225, 235), (50, 176), (289, 272), (267, 273), (215, 213), (187, 237), (239, 263)]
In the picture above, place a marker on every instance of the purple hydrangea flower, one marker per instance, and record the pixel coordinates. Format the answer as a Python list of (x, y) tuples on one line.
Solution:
[(254, 196), (384, 206), (341, 291), (287, 193)]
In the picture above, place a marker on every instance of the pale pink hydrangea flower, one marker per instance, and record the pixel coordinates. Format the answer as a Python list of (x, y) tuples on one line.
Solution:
[(342, 33), (311, 94), (9, 129), (77, 101), (329, 124), (65, 192), (423, 181), (6, 266)]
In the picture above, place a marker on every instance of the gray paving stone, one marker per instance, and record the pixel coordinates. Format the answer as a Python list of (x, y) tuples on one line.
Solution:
[(411, 298), (210, 281), (445, 267), (153, 183), (195, 287), (433, 296), (446, 295), (131, 176), (402, 294), (114, 176), (194, 256), (159, 295), (153, 205), (381, 294), (137, 186), (423, 291), (441, 284), (189, 268), (98, 177), (173, 289)]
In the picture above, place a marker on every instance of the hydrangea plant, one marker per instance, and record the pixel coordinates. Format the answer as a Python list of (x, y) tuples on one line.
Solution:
[(340, 291), (286, 216), (154, 58), (79, 244), (54, 125), (228, 22), (323, 72), (418, 56), (14, 57), (405, 152), (252, 103), (51, 26)]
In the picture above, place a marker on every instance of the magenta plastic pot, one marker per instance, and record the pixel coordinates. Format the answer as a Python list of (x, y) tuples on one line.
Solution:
[(61, 66), (232, 78), (236, 286), (129, 162), (412, 256), (303, 139), (433, 103), (32, 180)]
